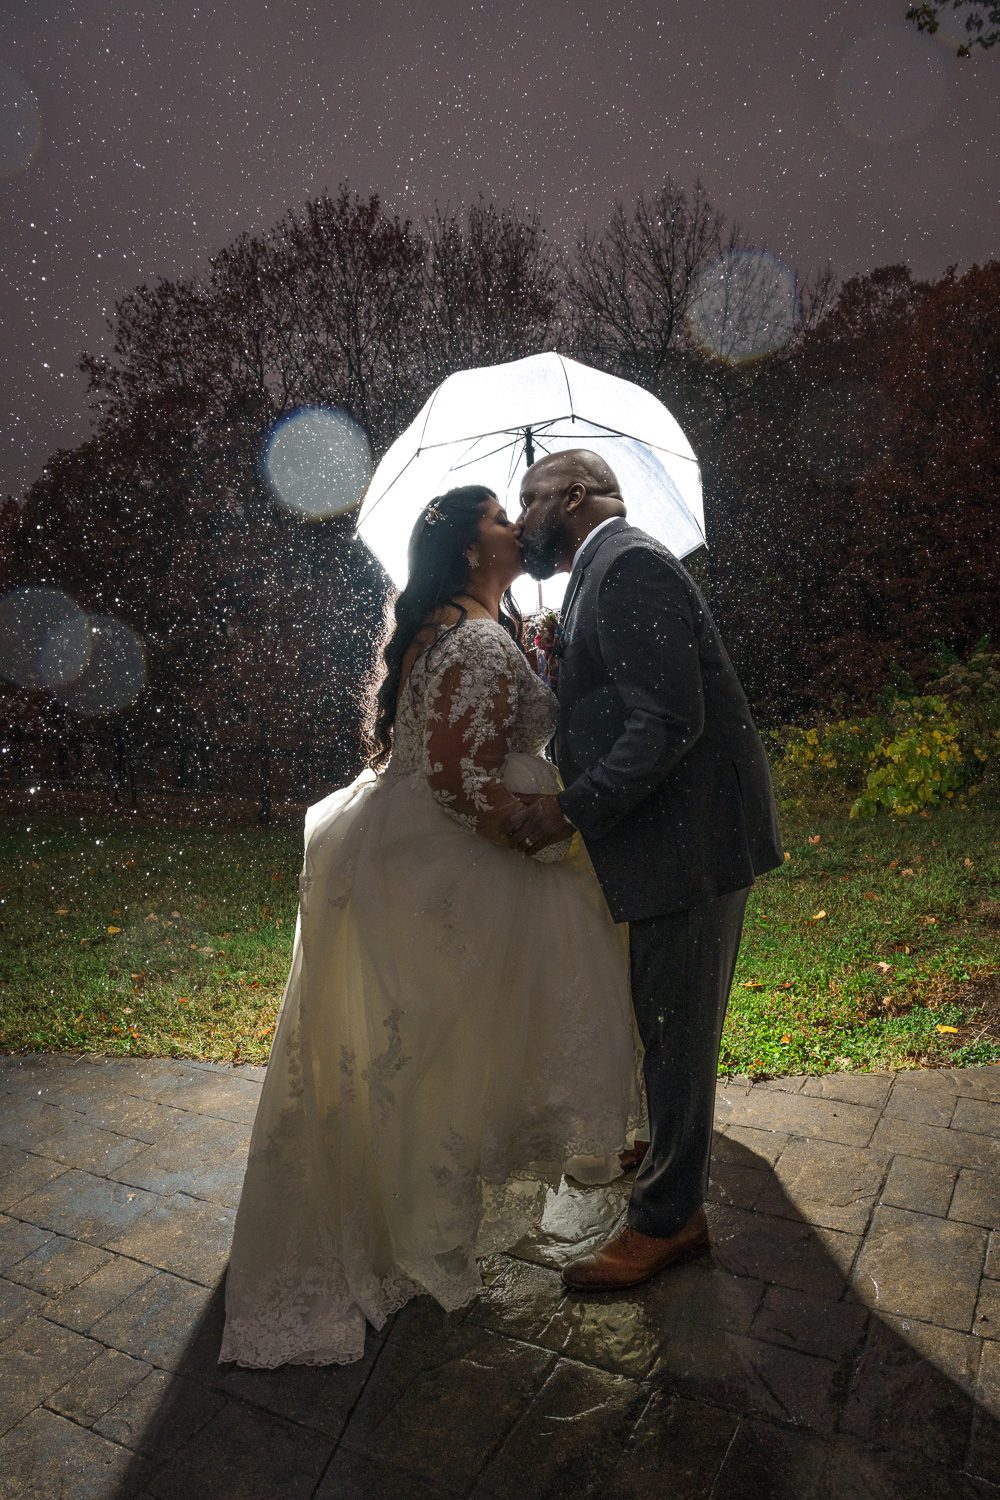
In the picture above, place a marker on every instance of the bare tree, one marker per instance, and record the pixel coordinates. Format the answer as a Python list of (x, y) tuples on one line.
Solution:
[(630, 289), (492, 290), (355, 277)]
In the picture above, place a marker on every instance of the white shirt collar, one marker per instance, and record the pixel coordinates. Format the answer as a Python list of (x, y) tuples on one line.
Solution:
[(590, 537)]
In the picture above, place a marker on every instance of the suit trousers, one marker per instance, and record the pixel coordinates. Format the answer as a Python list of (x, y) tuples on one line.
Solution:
[(682, 971)]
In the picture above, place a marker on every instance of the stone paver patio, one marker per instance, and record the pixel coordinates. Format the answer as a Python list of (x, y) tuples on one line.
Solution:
[(842, 1340)]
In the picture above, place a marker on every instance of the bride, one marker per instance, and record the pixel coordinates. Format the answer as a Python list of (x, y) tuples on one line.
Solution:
[(456, 1025)]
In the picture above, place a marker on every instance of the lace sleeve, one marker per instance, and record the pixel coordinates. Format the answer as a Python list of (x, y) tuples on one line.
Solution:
[(471, 708)]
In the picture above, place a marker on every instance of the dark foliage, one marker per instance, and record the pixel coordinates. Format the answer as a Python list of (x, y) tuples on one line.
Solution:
[(850, 470)]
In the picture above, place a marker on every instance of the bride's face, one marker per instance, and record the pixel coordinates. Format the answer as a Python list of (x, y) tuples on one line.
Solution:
[(497, 544)]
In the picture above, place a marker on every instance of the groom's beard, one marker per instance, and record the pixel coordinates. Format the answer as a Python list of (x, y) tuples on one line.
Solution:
[(540, 551)]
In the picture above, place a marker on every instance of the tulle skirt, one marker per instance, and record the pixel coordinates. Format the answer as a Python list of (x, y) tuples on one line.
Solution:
[(456, 1024)]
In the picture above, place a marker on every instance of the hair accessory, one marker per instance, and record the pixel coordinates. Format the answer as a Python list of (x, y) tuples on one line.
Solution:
[(472, 559), (432, 514)]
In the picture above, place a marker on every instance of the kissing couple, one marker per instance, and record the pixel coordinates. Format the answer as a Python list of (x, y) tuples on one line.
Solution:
[(502, 966)]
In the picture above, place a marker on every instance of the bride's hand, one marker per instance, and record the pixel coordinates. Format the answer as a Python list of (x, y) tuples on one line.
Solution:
[(542, 822)]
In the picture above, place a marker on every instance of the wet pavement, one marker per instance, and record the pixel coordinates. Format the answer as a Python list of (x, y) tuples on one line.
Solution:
[(841, 1340)]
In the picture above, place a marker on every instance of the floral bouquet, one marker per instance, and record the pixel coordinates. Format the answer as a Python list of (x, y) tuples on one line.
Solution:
[(542, 632)]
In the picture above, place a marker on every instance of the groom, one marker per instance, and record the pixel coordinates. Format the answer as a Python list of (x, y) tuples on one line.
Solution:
[(667, 781)]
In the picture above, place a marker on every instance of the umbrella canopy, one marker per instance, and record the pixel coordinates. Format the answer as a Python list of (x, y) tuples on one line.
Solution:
[(485, 426)]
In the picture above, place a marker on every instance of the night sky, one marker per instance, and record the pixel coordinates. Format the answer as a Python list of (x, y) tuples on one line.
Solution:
[(165, 130)]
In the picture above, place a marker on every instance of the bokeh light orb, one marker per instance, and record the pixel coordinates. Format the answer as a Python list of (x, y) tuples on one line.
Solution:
[(890, 86), (743, 306), (20, 123), (43, 637), (66, 650), (318, 462), (115, 673)]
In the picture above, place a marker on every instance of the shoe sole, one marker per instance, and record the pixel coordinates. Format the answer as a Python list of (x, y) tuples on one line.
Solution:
[(692, 1253)]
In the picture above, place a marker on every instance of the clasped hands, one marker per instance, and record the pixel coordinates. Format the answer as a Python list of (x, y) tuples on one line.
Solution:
[(535, 823)]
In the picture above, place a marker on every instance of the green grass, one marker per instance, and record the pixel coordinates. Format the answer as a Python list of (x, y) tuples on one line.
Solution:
[(206, 921), (910, 936)]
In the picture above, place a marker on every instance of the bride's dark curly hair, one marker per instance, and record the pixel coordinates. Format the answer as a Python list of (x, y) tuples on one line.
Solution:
[(438, 570)]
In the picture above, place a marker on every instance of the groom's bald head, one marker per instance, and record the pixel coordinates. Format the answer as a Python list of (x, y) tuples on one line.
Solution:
[(576, 466), (563, 497)]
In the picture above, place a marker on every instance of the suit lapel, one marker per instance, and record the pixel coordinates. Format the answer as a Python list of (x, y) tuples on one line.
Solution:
[(590, 551)]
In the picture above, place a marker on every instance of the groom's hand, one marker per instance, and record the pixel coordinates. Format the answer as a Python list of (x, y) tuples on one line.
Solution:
[(537, 824)]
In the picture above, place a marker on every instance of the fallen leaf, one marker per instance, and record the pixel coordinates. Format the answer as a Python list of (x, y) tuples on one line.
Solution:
[(152, 917), (871, 896), (893, 864), (785, 1039), (753, 984), (907, 871), (113, 931), (62, 911), (818, 916), (175, 913), (182, 999), (814, 838), (967, 863), (883, 967), (952, 1029), (928, 921), (787, 855)]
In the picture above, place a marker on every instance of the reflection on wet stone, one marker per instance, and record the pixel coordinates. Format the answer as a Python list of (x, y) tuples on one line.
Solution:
[(519, 1299), (619, 1333), (797, 1359), (576, 1221), (569, 1438)]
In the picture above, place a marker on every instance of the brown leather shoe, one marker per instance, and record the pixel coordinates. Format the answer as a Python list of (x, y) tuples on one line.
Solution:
[(631, 1159), (630, 1257)]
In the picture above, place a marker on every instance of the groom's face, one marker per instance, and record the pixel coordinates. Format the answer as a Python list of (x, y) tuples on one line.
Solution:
[(542, 524)]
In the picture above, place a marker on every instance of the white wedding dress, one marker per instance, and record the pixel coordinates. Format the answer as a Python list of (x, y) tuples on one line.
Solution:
[(456, 1024)]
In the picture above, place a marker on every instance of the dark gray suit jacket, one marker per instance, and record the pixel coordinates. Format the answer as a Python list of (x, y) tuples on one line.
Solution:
[(665, 774)]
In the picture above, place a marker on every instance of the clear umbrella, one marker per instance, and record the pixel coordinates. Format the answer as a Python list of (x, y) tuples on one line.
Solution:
[(485, 426)]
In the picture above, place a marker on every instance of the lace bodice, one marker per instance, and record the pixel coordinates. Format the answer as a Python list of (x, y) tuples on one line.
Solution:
[(471, 699)]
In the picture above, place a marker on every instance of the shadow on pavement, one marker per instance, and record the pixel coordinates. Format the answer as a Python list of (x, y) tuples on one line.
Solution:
[(754, 1372)]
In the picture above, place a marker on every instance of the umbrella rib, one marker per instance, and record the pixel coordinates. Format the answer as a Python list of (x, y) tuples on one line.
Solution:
[(511, 465), (569, 393), (512, 432), (430, 408), (509, 432), (478, 458), (617, 432), (395, 480), (412, 459)]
